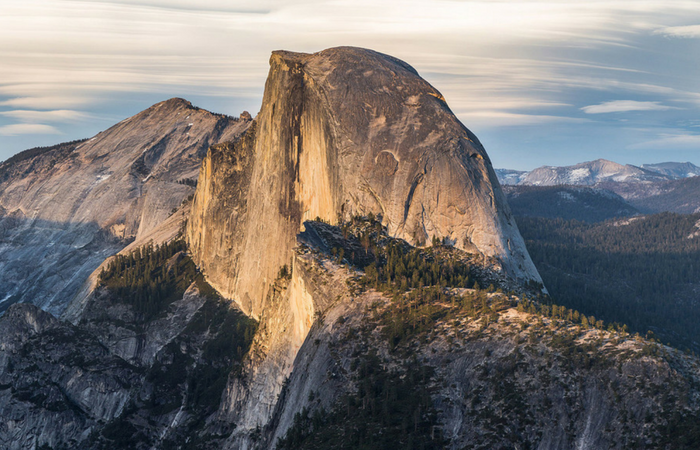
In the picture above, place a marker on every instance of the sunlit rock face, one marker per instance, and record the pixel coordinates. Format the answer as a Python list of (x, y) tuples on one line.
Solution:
[(67, 208), (341, 132)]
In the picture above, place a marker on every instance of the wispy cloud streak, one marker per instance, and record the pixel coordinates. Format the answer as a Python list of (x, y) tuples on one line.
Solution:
[(688, 31), (624, 106), (59, 115), (27, 128)]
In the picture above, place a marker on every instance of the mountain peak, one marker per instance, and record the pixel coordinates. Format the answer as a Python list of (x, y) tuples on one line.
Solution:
[(342, 57), (106, 190), (172, 104), (176, 102), (604, 163), (587, 173)]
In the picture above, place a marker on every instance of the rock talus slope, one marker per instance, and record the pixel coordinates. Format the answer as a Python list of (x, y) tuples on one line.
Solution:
[(63, 210), (342, 132)]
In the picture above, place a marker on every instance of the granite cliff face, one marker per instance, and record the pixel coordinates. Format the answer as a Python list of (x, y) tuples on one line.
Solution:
[(342, 132), (64, 209), (58, 382)]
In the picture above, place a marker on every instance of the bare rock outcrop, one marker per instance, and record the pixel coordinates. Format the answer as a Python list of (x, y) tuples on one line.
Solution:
[(342, 132), (519, 381), (56, 381)]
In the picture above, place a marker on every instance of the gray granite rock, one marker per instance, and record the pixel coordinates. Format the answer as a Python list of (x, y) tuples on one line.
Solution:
[(342, 132)]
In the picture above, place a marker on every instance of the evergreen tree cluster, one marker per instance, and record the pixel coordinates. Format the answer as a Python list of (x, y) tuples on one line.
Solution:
[(417, 312), (391, 409), (420, 282), (399, 267), (188, 182), (150, 277), (546, 308)]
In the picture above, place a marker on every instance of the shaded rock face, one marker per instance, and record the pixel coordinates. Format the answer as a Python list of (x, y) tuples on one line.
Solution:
[(168, 230), (342, 132), (57, 382), (114, 381), (63, 210), (118, 328)]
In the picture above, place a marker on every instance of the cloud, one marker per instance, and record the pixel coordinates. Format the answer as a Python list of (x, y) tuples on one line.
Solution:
[(219, 6), (625, 106), (688, 31), (680, 141), (499, 63), (46, 102), (58, 115), (493, 119), (27, 128)]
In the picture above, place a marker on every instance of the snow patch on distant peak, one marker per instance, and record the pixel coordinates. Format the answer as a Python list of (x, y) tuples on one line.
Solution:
[(621, 178), (579, 174)]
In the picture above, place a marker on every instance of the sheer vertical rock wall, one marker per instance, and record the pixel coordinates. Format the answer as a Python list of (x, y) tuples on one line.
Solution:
[(341, 132)]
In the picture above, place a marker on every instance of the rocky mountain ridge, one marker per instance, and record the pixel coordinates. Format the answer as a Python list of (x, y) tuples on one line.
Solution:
[(64, 209), (650, 188), (585, 174), (674, 169)]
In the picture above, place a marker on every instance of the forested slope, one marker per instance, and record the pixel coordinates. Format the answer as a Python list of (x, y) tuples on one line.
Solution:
[(644, 272)]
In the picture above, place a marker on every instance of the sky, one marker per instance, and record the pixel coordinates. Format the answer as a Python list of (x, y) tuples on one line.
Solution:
[(539, 82)]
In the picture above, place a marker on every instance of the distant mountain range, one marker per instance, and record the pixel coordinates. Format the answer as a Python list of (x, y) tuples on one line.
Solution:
[(594, 172), (650, 188), (674, 169)]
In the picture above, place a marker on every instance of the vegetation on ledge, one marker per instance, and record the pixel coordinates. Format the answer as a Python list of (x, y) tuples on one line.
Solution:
[(150, 278), (190, 372)]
